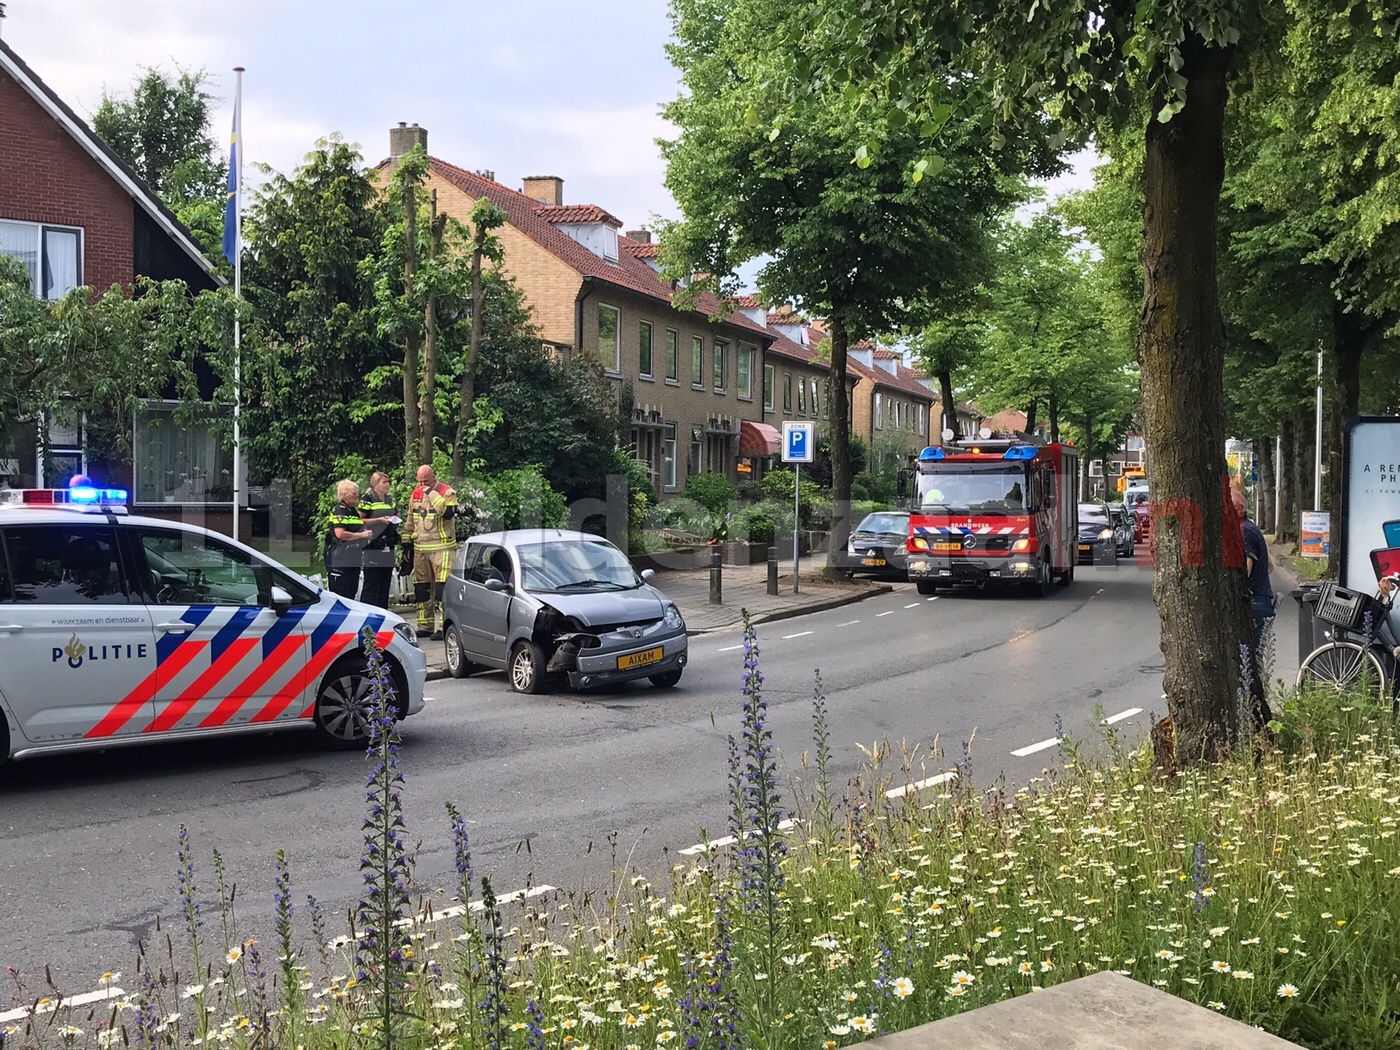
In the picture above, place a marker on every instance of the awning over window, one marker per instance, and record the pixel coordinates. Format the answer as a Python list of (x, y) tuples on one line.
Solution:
[(758, 439)]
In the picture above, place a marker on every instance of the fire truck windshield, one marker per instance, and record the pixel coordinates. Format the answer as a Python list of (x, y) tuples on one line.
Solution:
[(972, 488)]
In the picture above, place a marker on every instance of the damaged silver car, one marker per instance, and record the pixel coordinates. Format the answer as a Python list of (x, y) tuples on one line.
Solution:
[(549, 605)]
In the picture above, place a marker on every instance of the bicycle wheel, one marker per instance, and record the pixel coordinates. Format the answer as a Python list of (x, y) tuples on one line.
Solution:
[(1341, 667)]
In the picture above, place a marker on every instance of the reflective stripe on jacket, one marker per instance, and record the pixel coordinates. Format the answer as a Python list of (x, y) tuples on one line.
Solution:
[(431, 512)]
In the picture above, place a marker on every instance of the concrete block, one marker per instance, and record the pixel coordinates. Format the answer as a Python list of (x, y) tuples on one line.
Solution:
[(1104, 1011)]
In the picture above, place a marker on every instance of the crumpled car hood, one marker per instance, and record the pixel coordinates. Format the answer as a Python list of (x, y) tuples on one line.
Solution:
[(612, 607)]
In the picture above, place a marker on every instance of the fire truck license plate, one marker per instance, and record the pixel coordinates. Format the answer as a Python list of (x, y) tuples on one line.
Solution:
[(1085, 547), (872, 561), (647, 656), (947, 546)]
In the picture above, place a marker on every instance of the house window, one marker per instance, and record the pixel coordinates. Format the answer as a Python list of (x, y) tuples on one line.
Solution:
[(179, 461), (697, 438), (826, 399), (721, 352), (879, 413), (668, 458), (816, 400), (787, 391), (673, 353), (644, 364), (53, 255), (743, 371), (697, 362), (609, 338), (919, 420), (801, 396), (768, 388)]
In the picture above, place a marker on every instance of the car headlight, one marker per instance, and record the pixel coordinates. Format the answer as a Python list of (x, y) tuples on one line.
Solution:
[(674, 620), (918, 543), (407, 632), (1106, 534)]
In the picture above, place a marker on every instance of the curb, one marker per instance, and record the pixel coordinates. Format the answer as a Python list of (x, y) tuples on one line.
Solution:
[(815, 607), (438, 673)]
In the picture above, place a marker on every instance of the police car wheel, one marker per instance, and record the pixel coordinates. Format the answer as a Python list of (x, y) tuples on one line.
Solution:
[(343, 707), (527, 668)]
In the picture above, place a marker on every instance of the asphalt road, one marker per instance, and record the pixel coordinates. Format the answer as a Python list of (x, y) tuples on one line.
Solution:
[(560, 788)]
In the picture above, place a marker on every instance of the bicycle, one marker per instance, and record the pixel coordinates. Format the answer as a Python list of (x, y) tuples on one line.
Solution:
[(1363, 649)]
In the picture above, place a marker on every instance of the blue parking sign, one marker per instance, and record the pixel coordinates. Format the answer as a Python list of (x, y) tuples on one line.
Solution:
[(799, 442)]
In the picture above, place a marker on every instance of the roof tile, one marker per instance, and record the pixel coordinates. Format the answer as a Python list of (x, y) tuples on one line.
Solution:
[(569, 214)]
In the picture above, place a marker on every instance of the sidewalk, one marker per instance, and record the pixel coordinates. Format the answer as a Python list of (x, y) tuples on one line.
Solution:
[(744, 587)]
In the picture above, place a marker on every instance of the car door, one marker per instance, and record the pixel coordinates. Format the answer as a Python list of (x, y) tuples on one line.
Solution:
[(485, 611), (225, 657), (77, 653)]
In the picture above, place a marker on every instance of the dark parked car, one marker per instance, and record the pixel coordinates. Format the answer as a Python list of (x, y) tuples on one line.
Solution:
[(1124, 528), (877, 546), (1098, 543), (545, 604), (1142, 515)]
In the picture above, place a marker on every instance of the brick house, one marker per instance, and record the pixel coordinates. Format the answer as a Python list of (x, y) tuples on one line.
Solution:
[(74, 214), (695, 384), (892, 408), (796, 370)]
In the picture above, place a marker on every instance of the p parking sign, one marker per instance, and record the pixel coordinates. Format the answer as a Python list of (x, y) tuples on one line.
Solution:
[(799, 442)]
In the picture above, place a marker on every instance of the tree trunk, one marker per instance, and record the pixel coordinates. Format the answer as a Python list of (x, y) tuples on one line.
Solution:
[(1349, 335), (1268, 520), (840, 447), (427, 399), (1030, 417), (466, 408), (1055, 419), (1287, 511), (411, 344), (950, 407), (1181, 352)]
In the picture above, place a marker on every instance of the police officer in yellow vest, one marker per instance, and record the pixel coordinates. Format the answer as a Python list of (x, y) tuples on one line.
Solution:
[(431, 516), (383, 522), (346, 537)]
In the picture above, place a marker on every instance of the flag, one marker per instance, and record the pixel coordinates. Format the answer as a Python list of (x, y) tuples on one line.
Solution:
[(231, 230)]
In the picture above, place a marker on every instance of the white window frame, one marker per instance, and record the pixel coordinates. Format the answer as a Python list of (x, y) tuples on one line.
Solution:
[(697, 363), (1095, 468), (721, 352), (668, 458), (1115, 468), (612, 360), (879, 412), (770, 379), (743, 376), (138, 456), (671, 348), (41, 229)]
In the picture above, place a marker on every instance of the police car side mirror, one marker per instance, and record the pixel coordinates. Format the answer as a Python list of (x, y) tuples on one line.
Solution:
[(497, 585), (281, 601)]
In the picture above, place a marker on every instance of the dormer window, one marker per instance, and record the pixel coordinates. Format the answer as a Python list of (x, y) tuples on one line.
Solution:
[(587, 224)]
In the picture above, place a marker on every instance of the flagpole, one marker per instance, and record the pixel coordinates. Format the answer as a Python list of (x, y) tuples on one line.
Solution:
[(238, 299)]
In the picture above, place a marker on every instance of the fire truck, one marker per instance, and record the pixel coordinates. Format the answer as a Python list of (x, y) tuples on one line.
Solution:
[(995, 511)]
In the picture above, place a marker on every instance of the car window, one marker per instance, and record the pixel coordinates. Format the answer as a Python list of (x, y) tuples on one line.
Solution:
[(566, 565), (185, 568), (884, 523), (493, 563), (1092, 512), (65, 565)]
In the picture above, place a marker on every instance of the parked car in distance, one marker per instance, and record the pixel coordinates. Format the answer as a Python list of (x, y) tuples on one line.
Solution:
[(1124, 528), (547, 604), (1142, 515), (877, 546), (1098, 543)]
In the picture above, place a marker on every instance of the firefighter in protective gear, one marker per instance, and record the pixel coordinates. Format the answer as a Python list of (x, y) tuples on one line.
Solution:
[(432, 517)]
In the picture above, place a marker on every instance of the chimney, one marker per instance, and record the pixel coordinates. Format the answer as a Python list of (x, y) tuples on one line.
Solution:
[(544, 189), (404, 137), (642, 236)]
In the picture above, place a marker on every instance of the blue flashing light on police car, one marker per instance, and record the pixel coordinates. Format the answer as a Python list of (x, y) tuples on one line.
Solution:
[(1021, 452), (930, 454), (90, 494)]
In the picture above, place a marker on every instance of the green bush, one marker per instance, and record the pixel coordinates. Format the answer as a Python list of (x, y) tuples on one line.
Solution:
[(755, 524), (715, 492), (515, 499)]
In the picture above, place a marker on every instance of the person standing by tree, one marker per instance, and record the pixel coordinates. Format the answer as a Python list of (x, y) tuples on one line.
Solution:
[(380, 516), (432, 513), (346, 536)]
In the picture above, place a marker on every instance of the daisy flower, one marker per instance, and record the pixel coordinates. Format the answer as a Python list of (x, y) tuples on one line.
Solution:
[(1288, 991)]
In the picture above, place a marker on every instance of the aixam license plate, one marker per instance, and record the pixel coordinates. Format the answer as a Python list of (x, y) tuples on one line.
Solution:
[(947, 546), (872, 561), (646, 656)]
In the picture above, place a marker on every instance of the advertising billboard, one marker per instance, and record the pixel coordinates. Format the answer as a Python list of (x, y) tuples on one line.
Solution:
[(1370, 515)]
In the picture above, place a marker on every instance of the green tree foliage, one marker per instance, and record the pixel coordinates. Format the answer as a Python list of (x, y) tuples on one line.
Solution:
[(161, 130), (308, 237), (845, 233)]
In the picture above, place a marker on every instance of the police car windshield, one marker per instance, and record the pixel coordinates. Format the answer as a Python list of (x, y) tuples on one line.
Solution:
[(569, 565), (973, 488)]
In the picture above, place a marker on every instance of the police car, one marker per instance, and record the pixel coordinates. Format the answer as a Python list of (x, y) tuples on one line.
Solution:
[(117, 629)]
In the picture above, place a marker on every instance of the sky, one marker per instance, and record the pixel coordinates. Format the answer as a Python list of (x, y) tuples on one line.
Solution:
[(548, 87)]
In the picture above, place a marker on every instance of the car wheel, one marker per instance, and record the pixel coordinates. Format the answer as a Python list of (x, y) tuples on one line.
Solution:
[(458, 666), (926, 586), (666, 680), (527, 668), (343, 707)]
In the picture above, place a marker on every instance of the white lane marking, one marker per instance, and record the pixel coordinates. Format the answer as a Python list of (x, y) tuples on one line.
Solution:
[(730, 648), (456, 909), (848, 623), (64, 1002), (889, 612), (728, 840), (915, 605), (799, 634), (933, 599), (1122, 715), (1031, 749), (919, 785)]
